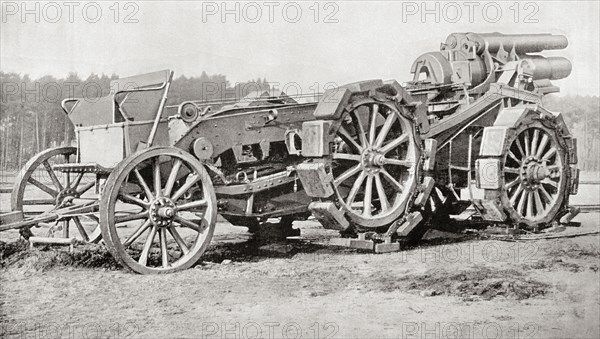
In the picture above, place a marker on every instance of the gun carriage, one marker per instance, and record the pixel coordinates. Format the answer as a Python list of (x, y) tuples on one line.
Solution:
[(376, 160)]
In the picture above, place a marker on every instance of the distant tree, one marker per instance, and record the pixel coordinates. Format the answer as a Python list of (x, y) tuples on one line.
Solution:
[(582, 115)]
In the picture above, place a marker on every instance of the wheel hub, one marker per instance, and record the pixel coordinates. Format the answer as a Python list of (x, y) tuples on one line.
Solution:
[(162, 212), (534, 171), (372, 160), (65, 196)]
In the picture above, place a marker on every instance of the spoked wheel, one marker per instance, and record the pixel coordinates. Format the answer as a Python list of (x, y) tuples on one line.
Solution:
[(535, 175), (39, 188), (375, 163), (158, 211)]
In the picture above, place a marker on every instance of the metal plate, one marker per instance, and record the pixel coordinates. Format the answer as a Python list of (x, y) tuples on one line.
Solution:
[(492, 143), (488, 173), (315, 141), (103, 146)]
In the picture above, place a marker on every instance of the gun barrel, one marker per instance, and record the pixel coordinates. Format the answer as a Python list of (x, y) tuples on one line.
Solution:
[(522, 43), (552, 68)]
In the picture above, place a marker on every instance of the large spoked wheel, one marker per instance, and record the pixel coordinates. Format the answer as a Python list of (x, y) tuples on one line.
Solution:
[(535, 175), (158, 211), (39, 188), (375, 163)]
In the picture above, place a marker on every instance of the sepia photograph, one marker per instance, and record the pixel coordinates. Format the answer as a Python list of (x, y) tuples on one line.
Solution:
[(300, 169)]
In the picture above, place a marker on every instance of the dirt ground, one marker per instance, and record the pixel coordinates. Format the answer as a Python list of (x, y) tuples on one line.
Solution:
[(451, 286)]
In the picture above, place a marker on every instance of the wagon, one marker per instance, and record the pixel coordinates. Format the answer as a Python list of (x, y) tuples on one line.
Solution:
[(375, 160)]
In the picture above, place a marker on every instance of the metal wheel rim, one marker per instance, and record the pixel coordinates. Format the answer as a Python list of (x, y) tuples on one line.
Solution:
[(170, 237), (56, 190), (381, 156), (533, 151)]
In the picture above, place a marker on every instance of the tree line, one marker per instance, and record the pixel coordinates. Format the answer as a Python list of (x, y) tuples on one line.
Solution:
[(582, 115), (31, 118)]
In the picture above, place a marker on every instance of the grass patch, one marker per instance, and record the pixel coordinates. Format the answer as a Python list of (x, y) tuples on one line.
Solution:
[(479, 283), (17, 255)]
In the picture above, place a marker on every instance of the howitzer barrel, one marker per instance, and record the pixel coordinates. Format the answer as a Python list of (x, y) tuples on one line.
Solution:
[(552, 68), (522, 43)]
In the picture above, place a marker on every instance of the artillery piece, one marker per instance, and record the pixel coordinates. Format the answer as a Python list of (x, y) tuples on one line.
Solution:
[(374, 159)]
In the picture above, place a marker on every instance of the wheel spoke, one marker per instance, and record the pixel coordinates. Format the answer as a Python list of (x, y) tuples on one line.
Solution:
[(53, 177), (347, 156), (395, 184), (360, 130), (511, 154), (511, 170), (368, 196), (349, 140), (534, 141), (144, 256), (130, 217), (191, 181), (516, 195), (512, 183), (529, 204), (80, 228), (550, 182), (355, 187), (172, 177), (162, 237), (527, 152), (518, 142), (546, 195), (78, 180), (179, 240), (543, 144), (383, 201), (156, 171), (140, 230), (192, 204), (373, 123), (538, 202), (143, 183), (347, 175), (387, 126), (549, 154), (86, 187), (521, 204), (394, 143), (186, 223), (43, 187), (128, 198)]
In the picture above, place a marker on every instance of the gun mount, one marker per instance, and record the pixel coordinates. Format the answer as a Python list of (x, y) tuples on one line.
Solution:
[(474, 61)]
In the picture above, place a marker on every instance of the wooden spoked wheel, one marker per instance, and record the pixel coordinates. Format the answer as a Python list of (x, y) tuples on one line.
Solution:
[(534, 175), (39, 188), (375, 163), (158, 211)]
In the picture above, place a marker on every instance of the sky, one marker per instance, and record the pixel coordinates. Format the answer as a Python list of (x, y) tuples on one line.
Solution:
[(312, 44)]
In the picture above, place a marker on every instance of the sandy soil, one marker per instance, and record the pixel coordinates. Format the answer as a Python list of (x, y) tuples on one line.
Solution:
[(455, 287)]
